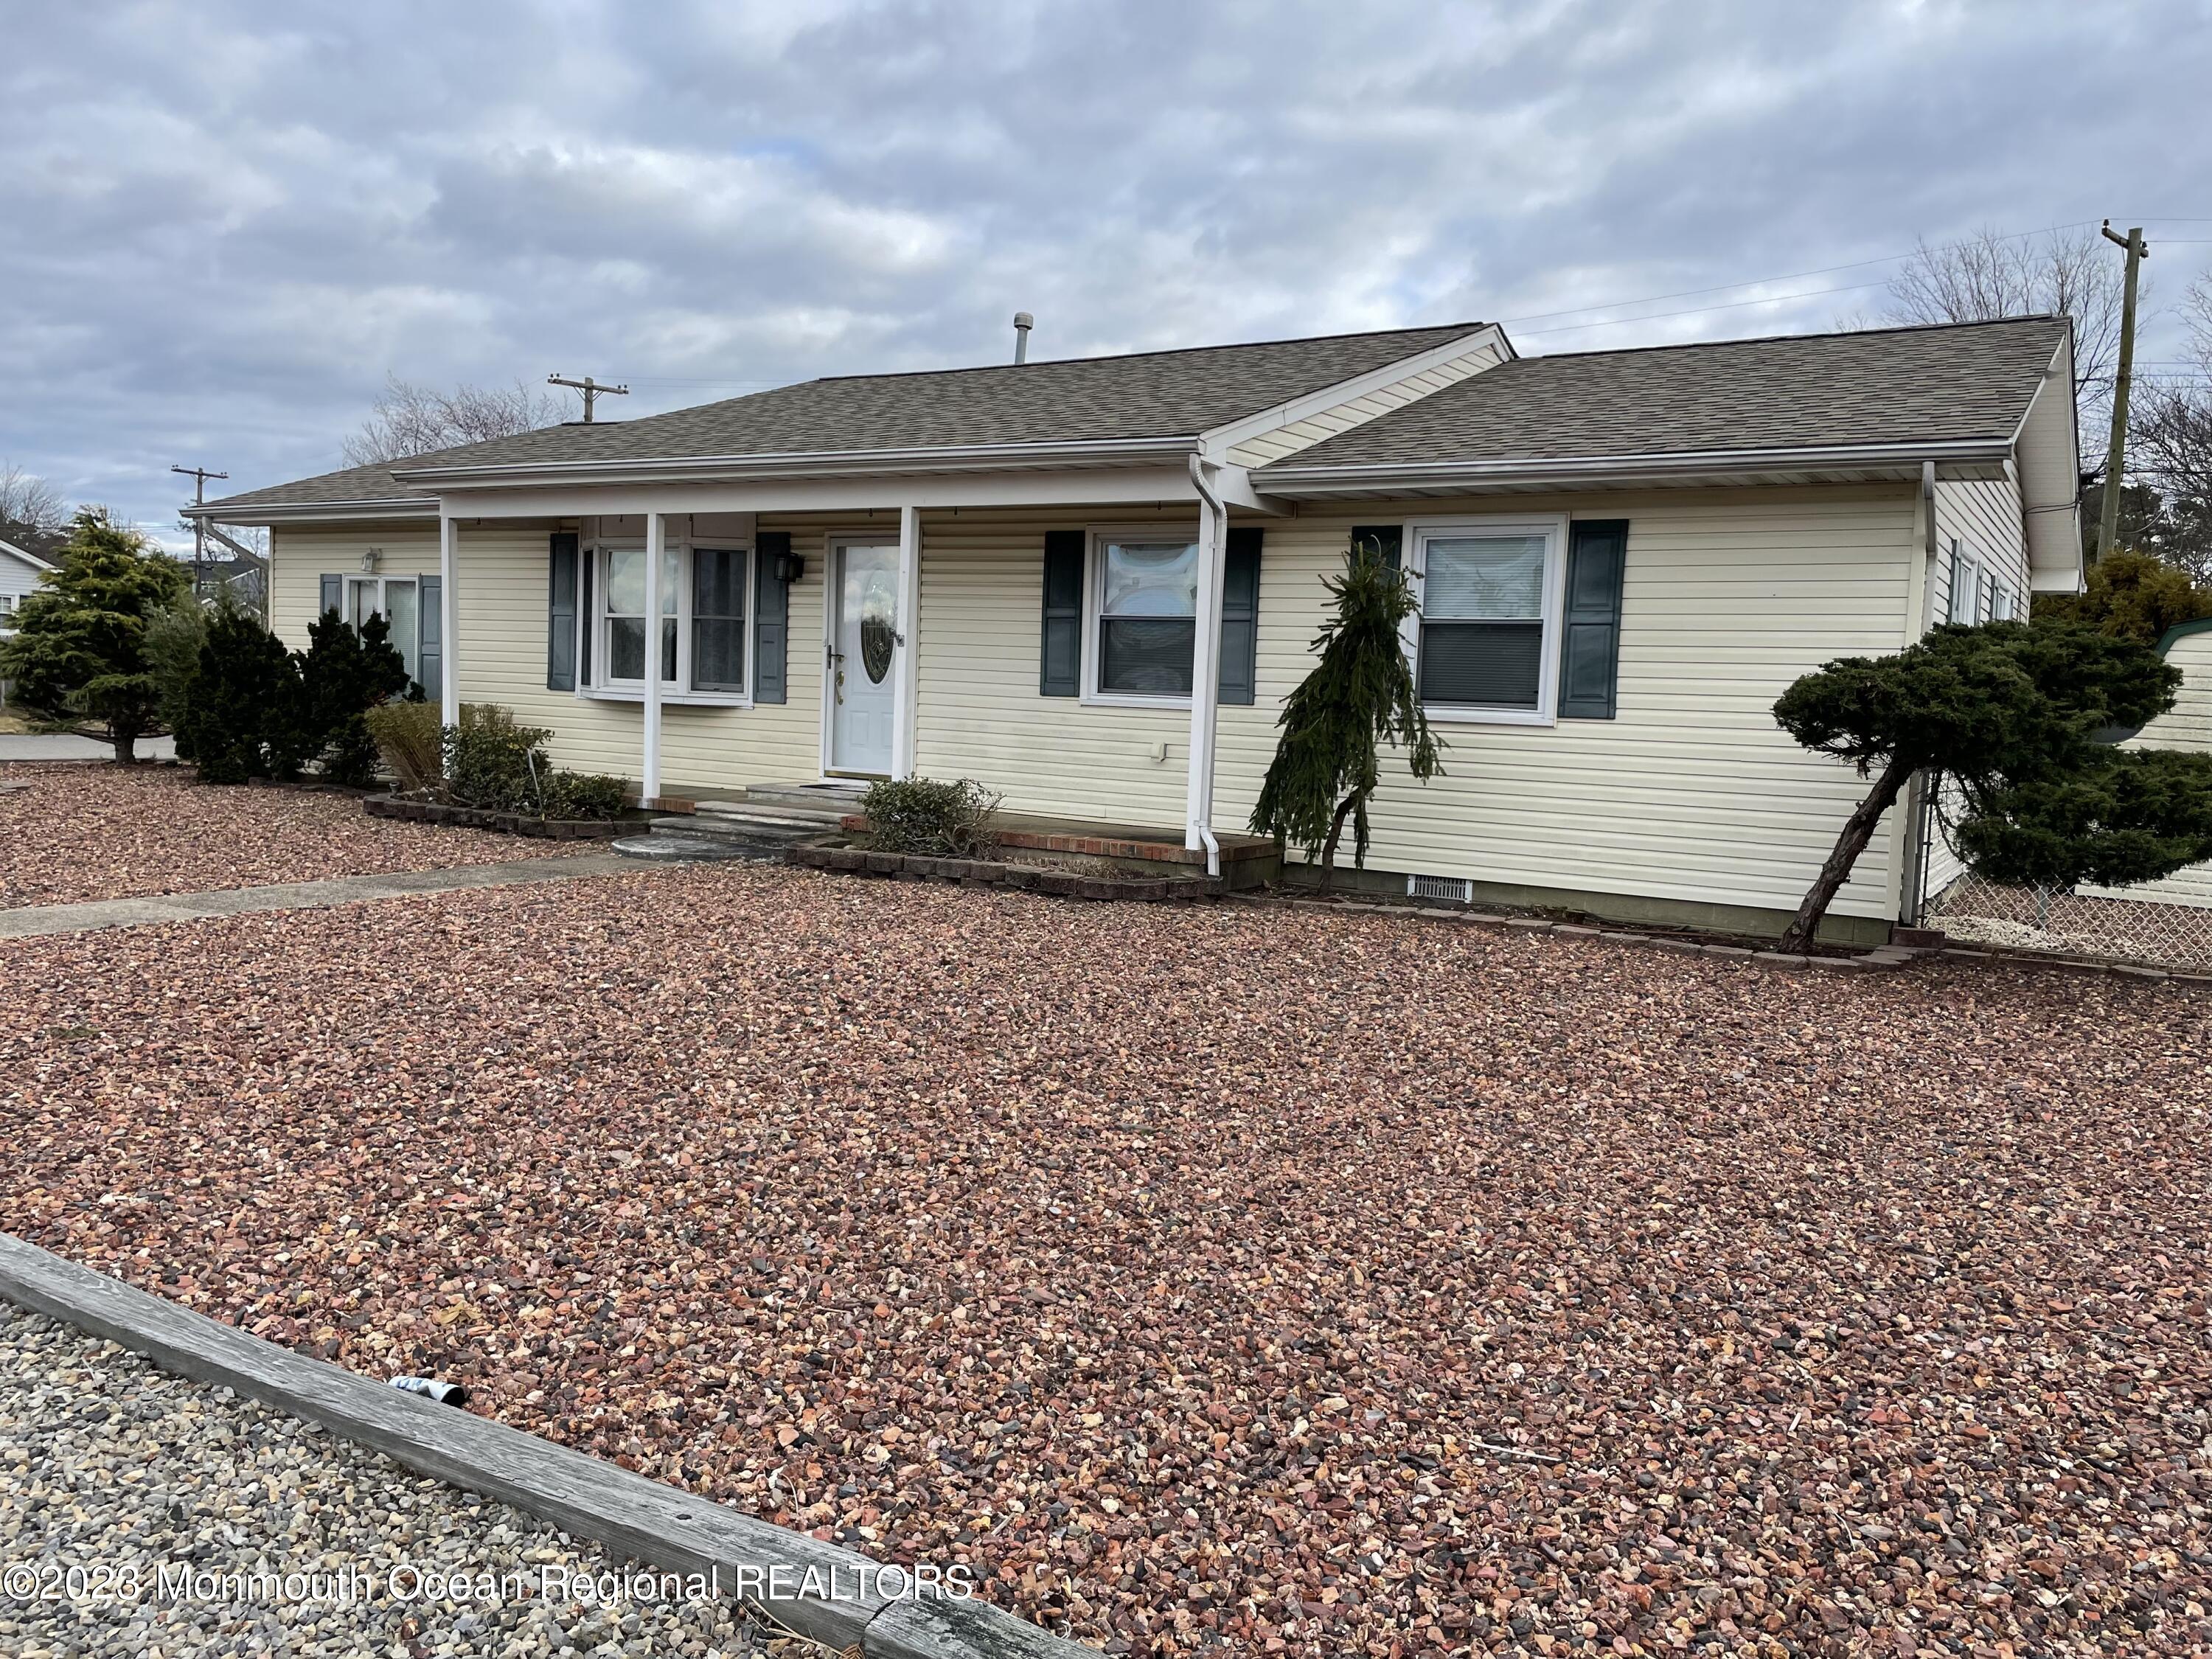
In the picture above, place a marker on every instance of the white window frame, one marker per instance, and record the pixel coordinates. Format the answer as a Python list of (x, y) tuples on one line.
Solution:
[(384, 583), (1552, 527), (602, 688), (1094, 613), (1967, 583)]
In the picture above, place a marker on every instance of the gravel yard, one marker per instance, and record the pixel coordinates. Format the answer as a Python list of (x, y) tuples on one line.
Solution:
[(109, 1466), (96, 831), (1314, 1285)]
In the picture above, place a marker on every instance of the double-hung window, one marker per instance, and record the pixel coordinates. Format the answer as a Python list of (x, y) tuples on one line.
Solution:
[(1486, 644), (701, 637), (396, 599), (1145, 612)]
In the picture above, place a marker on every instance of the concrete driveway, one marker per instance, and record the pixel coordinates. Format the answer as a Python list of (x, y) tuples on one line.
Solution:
[(61, 747)]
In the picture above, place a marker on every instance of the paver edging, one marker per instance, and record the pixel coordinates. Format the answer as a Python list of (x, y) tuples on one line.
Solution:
[(985, 872), (502, 823), (659, 1525)]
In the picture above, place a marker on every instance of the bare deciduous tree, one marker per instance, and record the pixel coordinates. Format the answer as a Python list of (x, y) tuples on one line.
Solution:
[(2170, 444), (32, 512), (413, 420), (1989, 276)]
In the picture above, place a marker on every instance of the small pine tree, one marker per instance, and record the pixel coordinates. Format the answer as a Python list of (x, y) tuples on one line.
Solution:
[(2006, 711), (344, 673), (174, 635), (244, 714), (79, 646), (1327, 763)]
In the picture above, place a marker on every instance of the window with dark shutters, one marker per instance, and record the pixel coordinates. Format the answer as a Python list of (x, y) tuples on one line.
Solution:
[(1239, 617)]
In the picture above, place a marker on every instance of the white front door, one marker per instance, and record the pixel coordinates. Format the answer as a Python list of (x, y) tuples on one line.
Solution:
[(864, 655)]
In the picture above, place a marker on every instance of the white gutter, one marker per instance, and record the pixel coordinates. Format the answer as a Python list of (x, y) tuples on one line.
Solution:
[(1288, 478), (380, 507), (1206, 663), (812, 464)]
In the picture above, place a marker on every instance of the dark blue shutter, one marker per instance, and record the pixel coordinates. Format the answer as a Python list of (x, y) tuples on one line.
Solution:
[(561, 614), (1239, 617), (1390, 538), (1061, 672), (333, 597), (771, 613), (430, 636), (1590, 645)]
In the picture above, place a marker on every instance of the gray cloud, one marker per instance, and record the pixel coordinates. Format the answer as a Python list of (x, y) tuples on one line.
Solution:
[(229, 219)]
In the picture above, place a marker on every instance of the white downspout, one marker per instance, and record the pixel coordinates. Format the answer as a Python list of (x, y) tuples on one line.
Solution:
[(449, 675), (656, 538), (1205, 668)]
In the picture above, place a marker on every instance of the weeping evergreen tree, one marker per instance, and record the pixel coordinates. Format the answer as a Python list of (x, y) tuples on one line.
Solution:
[(1360, 694), (2009, 715)]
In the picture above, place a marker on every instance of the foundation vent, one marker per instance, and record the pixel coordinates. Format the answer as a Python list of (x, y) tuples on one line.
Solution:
[(1454, 889)]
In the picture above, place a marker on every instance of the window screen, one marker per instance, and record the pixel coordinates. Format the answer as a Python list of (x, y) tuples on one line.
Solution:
[(718, 619), (1147, 617), (1482, 621)]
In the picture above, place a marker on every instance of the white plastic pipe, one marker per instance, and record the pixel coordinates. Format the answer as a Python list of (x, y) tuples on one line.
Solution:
[(449, 670), (1205, 668), (655, 540)]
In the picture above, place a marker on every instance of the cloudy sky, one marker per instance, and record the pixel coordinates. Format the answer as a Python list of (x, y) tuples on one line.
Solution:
[(228, 222)]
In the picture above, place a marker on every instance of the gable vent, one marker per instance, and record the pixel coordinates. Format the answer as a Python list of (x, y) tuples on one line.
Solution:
[(1456, 889)]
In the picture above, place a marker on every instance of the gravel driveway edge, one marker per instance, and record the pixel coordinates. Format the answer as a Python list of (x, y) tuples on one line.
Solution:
[(834, 1597)]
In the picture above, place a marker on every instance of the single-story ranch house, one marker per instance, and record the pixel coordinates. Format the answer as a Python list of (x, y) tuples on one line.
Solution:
[(1090, 584)]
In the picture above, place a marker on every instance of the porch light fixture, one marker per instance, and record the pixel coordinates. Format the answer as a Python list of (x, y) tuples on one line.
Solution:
[(370, 560), (790, 567)]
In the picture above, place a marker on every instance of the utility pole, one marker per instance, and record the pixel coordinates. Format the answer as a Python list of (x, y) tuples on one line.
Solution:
[(591, 388), (2108, 528), (199, 476)]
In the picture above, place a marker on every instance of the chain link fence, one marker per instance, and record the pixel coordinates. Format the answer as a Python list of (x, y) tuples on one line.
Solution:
[(2102, 925)]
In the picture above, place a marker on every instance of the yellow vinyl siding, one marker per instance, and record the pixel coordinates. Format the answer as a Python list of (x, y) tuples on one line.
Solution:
[(1357, 411), (981, 714), (1692, 792), (500, 594), (1984, 516)]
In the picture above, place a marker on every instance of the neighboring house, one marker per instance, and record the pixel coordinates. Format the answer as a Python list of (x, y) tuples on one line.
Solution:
[(2188, 725), (20, 570), (1090, 585)]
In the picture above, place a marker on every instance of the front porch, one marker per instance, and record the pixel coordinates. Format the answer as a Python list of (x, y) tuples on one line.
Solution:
[(783, 607)]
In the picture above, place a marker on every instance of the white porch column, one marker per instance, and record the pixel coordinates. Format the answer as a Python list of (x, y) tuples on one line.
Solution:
[(449, 674), (1206, 660), (909, 666), (649, 784)]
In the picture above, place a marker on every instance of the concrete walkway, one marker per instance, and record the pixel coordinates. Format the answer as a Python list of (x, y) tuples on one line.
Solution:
[(63, 746), (37, 920)]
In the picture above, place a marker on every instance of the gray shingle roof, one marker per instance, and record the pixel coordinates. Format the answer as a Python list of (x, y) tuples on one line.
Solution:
[(1887, 386), (1143, 395)]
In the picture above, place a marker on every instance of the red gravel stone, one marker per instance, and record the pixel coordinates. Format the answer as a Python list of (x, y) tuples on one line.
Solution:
[(91, 831), (1324, 1285)]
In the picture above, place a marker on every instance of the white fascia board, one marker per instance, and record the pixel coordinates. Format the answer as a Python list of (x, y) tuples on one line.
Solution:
[(1288, 479), (1218, 441), (1082, 487), (276, 512), (827, 464)]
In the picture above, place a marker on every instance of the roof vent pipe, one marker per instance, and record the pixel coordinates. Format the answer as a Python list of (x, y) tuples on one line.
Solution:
[(1023, 323)]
